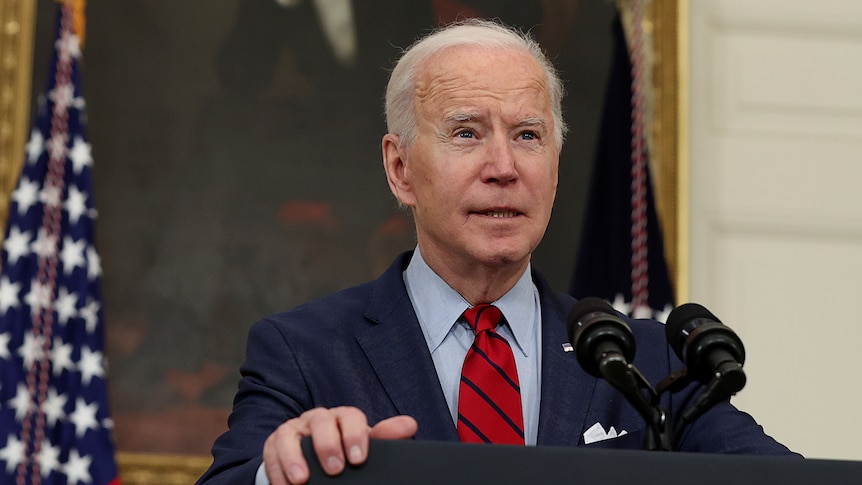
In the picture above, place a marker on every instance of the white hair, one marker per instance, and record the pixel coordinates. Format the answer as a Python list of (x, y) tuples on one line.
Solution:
[(400, 109)]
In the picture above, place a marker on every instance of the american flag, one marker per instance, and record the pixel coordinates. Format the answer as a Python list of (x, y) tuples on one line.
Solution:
[(55, 426), (621, 257)]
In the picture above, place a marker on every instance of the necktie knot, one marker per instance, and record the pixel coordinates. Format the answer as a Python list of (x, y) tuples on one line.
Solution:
[(483, 317)]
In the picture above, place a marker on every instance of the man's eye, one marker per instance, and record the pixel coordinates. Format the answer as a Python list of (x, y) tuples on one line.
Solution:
[(529, 135), (465, 134)]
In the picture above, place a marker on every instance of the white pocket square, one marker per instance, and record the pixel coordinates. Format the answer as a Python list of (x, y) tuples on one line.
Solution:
[(598, 433)]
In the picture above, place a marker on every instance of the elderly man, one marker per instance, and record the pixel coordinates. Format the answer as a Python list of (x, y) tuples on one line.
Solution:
[(475, 132)]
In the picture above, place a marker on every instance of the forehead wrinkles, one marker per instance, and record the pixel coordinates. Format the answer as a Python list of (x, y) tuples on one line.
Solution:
[(439, 88), (441, 92), (461, 80)]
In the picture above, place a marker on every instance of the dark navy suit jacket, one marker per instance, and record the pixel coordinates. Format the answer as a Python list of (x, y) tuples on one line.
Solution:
[(363, 347)]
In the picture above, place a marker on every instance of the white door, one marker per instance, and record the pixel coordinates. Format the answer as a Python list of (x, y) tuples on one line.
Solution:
[(776, 207)]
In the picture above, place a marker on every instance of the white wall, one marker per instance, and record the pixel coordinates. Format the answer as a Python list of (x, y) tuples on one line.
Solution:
[(776, 207)]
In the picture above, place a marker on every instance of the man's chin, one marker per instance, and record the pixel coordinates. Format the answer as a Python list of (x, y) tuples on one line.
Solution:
[(504, 257)]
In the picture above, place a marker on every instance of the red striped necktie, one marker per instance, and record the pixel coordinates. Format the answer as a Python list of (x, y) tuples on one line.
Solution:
[(489, 400)]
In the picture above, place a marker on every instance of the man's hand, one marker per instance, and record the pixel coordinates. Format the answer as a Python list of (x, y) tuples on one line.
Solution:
[(336, 433)]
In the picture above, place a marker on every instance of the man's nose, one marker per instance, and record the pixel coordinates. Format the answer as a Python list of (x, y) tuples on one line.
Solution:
[(500, 162)]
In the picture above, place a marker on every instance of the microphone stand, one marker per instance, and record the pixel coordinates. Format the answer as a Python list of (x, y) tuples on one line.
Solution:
[(660, 435), (727, 381), (637, 391), (604, 345)]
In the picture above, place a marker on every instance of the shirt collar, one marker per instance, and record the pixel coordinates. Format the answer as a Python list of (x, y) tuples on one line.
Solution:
[(438, 307), (519, 305)]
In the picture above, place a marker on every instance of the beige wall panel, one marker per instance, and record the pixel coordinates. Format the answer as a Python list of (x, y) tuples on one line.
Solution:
[(800, 339), (785, 83), (791, 179), (776, 206)]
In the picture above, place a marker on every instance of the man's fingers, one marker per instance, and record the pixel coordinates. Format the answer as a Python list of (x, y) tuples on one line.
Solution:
[(395, 428), (282, 454), (354, 429), (331, 431), (339, 435), (338, 430)]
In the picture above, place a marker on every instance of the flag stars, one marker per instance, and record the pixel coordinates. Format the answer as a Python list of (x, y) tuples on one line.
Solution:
[(35, 146), (45, 245), (12, 453), (5, 339), (65, 305), (8, 295), (48, 458), (17, 244), (68, 46), (61, 357), (32, 350), (90, 314), (38, 297), (77, 469), (642, 311), (81, 155), (62, 399), (26, 195), (662, 315), (621, 305), (54, 407), (94, 266), (76, 204), (72, 254), (84, 417), (91, 365), (21, 402)]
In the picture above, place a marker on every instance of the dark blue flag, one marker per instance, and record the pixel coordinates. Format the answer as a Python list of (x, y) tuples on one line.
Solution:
[(55, 426), (621, 257)]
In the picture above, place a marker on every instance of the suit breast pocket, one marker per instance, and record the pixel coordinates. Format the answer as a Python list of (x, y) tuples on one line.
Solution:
[(598, 437)]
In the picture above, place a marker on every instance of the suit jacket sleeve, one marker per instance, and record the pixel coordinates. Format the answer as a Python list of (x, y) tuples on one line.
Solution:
[(265, 399), (336, 351), (721, 429)]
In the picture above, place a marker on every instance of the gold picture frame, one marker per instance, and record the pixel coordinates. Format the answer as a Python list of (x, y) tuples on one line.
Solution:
[(667, 19), (664, 21), (17, 25)]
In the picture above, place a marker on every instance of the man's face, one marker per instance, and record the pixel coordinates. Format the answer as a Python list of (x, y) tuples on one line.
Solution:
[(481, 175)]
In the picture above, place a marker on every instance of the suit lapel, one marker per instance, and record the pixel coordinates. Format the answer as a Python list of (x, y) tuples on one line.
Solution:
[(399, 355), (566, 388)]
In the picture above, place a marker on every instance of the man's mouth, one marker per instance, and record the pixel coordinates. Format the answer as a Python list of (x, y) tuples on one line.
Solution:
[(501, 213)]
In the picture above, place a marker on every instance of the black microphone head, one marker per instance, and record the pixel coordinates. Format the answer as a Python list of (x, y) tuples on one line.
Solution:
[(593, 326), (583, 307), (682, 321), (702, 342)]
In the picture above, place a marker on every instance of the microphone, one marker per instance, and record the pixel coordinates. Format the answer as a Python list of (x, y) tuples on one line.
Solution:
[(708, 348), (601, 339), (605, 345), (712, 354)]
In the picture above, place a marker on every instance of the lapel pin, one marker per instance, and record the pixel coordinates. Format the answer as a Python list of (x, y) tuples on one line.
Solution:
[(567, 347)]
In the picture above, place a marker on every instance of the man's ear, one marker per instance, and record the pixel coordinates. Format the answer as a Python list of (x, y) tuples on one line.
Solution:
[(395, 165)]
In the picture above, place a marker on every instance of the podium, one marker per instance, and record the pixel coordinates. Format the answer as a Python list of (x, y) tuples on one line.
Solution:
[(450, 463)]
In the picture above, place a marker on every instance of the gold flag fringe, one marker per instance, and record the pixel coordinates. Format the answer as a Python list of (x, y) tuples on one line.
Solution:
[(79, 18)]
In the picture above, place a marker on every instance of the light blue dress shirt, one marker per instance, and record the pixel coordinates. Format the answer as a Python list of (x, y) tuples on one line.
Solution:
[(439, 307)]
